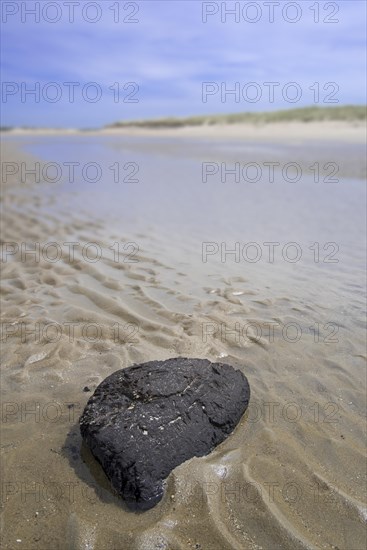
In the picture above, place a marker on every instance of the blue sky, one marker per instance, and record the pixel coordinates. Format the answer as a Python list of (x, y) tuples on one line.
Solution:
[(170, 52)]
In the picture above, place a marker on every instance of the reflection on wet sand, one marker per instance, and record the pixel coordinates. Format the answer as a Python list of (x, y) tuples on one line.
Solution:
[(291, 474)]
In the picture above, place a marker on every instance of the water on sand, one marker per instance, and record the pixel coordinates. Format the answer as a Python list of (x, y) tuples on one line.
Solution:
[(266, 274)]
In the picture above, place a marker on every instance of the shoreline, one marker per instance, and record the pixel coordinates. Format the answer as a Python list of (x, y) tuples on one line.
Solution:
[(335, 131)]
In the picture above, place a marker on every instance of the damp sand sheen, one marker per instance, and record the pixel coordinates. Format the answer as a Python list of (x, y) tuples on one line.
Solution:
[(291, 475)]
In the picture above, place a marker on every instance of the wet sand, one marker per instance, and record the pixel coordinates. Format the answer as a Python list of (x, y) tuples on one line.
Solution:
[(291, 476)]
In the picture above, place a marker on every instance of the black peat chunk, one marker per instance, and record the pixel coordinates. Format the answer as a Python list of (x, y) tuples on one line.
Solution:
[(143, 421)]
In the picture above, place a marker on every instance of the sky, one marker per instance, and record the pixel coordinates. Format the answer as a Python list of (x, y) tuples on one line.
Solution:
[(153, 58)]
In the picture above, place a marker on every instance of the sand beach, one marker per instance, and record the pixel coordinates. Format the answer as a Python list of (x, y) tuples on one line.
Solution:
[(174, 255)]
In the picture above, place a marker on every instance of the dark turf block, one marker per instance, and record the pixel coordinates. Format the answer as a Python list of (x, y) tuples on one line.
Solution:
[(143, 421)]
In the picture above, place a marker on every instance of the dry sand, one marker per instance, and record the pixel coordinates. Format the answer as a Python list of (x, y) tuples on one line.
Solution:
[(289, 477), (344, 131)]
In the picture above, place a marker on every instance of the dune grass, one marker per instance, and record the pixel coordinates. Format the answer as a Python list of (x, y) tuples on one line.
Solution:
[(306, 114)]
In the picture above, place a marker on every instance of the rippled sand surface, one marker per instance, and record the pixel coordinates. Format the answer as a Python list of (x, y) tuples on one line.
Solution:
[(291, 476)]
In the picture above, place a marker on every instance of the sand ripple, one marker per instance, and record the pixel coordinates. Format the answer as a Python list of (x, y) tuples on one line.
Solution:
[(289, 477)]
